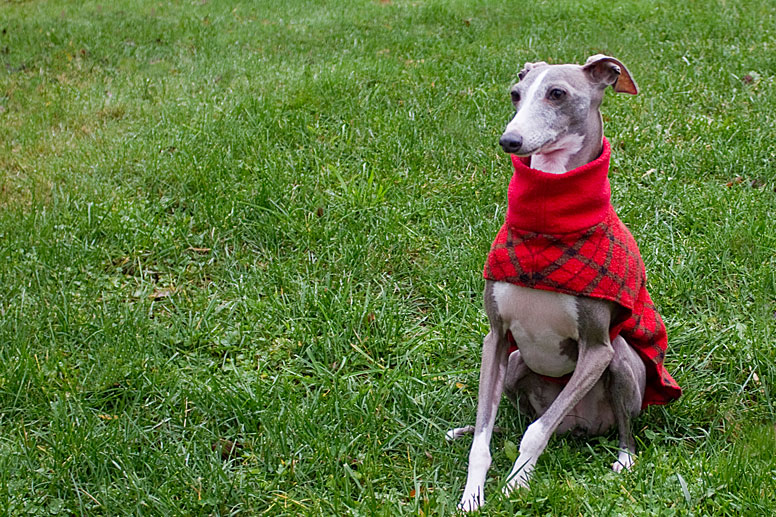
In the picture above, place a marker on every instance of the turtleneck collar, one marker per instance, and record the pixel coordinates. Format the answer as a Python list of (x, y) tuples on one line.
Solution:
[(559, 203)]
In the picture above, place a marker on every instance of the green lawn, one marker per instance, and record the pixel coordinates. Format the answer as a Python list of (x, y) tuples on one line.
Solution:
[(264, 224)]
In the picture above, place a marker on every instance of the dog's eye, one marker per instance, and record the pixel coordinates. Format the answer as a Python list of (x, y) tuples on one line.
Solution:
[(556, 94), (515, 96)]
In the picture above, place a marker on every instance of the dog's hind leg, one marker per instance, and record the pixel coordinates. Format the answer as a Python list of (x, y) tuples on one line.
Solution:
[(627, 377), (517, 371), (457, 432)]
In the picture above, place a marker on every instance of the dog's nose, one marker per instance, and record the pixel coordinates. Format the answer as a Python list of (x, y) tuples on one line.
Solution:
[(510, 143)]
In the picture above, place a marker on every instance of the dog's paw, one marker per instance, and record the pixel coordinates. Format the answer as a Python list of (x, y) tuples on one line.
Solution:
[(471, 502), (625, 461), (456, 433), (521, 473), (519, 481)]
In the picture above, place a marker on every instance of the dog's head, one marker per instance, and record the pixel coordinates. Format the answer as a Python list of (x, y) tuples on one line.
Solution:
[(553, 102)]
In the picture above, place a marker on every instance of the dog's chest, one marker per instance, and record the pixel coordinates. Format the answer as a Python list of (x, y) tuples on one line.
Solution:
[(544, 325)]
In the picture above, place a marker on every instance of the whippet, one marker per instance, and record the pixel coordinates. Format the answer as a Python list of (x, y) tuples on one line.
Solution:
[(558, 125)]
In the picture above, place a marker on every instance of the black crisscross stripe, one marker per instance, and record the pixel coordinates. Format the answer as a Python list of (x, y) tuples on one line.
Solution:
[(536, 248)]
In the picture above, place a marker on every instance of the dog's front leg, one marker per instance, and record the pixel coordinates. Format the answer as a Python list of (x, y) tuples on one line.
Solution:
[(495, 348), (591, 363)]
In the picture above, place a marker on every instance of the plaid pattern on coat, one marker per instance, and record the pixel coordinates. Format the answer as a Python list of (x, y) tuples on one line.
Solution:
[(599, 260)]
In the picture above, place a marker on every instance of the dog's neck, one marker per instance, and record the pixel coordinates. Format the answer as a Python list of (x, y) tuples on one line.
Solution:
[(574, 149)]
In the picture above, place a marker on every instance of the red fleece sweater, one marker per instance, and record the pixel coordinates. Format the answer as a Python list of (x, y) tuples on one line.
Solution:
[(561, 234)]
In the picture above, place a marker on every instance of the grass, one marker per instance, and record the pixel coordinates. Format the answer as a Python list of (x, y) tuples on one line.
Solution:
[(242, 247)]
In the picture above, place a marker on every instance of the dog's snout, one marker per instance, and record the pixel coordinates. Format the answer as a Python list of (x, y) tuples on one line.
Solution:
[(510, 143)]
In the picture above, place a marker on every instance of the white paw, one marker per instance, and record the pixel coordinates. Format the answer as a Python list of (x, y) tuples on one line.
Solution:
[(520, 475), (519, 480), (471, 501), (625, 461), (454, 434)]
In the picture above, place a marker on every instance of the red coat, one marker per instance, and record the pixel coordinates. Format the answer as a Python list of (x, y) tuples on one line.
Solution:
[(561, 234)]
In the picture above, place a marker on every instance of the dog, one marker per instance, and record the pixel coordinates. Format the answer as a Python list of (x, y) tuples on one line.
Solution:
[(574, 337)]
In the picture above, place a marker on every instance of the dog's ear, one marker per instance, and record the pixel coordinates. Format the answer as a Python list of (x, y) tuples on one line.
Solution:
[(528, 67), (606, 70)]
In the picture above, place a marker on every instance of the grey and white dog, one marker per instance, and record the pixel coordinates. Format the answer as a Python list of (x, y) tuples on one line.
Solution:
[(558, 124)]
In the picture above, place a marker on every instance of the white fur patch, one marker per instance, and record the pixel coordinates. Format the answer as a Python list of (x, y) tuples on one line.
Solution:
[(454, 434), (525, 118), (539, 321), (531, 446), (534, 440), (555, 157), (625, 461), (534, 93), (479, 463)]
